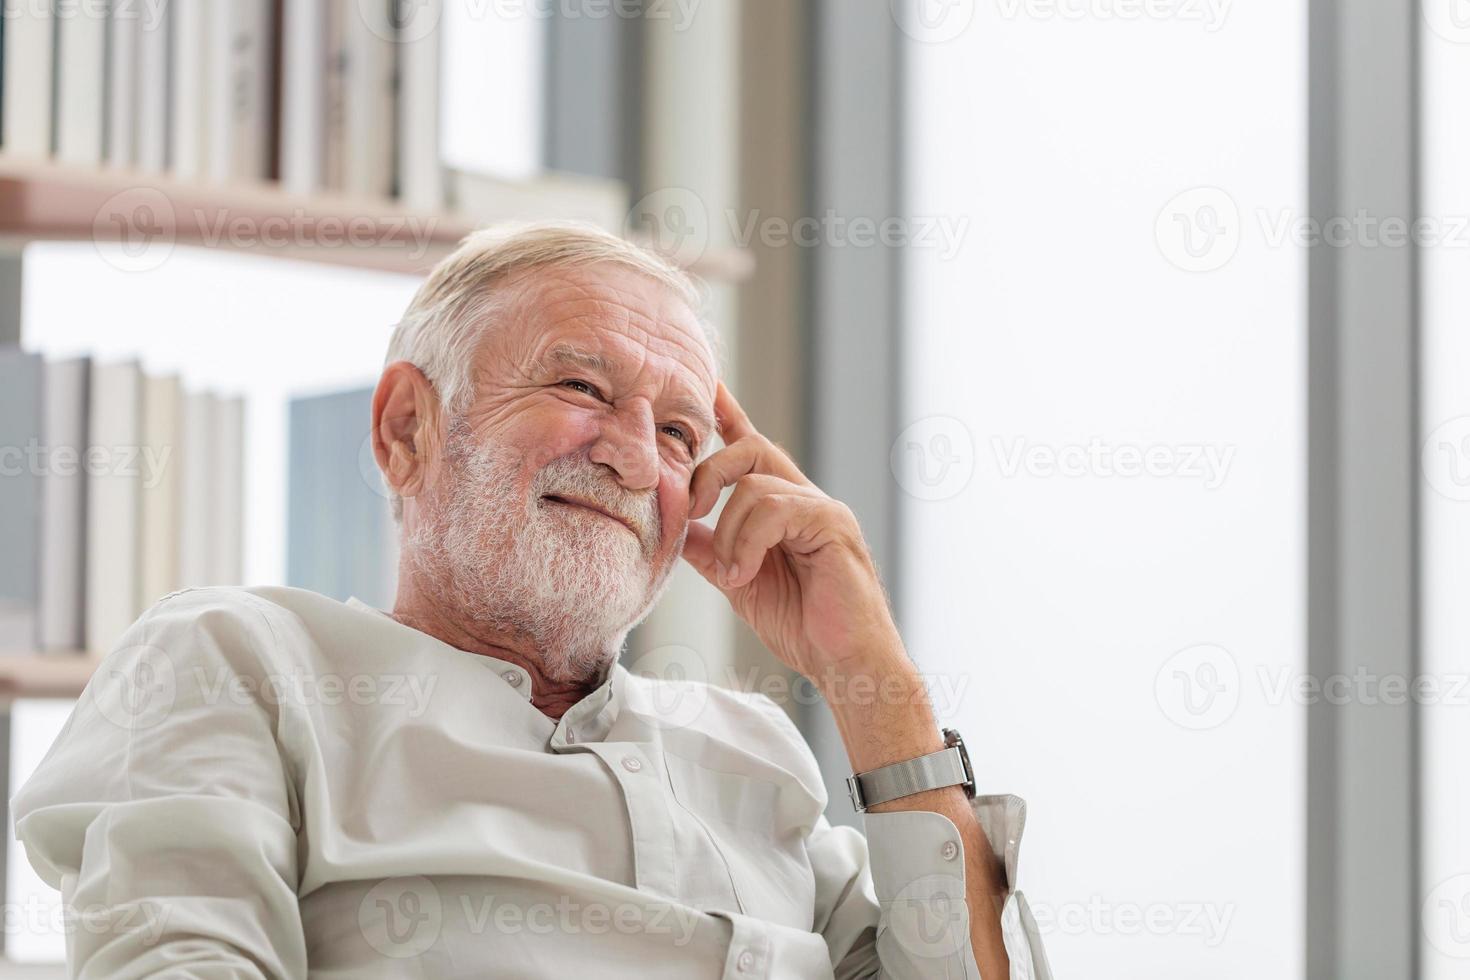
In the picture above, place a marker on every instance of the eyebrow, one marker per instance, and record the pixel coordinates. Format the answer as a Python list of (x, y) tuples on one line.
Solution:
[(587, 360)]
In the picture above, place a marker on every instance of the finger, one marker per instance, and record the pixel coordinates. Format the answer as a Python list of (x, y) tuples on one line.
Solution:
[(748, 456), (774, 518), (699, 551), (748, 492), (734, 423)]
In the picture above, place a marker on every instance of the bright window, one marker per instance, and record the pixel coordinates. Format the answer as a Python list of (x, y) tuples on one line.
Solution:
[(1103, 518)]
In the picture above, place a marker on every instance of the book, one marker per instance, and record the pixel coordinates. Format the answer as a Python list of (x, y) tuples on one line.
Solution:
[(239, 98), (160, 487), (113, 482), (304, 72), (81, 82), (21, 467), (486, 199), (189, 77), (334, 96), (196, 489), (27, 52), (151, 118), (124, 36), (420, 169), (368, 98), (63, 525), (228, 533), (341, 540)]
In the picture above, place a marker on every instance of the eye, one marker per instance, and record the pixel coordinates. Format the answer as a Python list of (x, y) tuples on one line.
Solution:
[(678, 433), (577, 384)]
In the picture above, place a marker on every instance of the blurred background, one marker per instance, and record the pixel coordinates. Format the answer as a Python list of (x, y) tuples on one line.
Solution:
[(1133, 331)]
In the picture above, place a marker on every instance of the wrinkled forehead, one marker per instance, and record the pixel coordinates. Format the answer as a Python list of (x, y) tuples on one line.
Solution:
[(630, 319)]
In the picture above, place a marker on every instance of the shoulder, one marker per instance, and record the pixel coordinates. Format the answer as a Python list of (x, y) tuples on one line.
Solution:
[(206, 635)]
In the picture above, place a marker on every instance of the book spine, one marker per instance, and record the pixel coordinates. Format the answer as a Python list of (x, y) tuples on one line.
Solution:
[(81, 85), (113, 595), (420, 180), (154, 94), (124, 39), (189, 153), (64, 507), (370, 101), (26, 79), (303, 96), (239, 112), (21, 466)]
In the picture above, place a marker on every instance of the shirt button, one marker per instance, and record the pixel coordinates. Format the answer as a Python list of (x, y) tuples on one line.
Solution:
[(632, 763), (512, 678), (950, 850), (571, 736), (745, 961)]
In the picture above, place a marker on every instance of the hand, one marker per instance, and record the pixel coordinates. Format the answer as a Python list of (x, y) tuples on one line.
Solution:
[(791, 560)]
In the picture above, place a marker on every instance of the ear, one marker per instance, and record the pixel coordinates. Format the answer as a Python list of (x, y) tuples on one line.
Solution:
[(405, 427)]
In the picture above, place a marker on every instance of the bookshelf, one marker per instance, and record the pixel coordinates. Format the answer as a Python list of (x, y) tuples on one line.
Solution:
[(49, 201), (54, 674)]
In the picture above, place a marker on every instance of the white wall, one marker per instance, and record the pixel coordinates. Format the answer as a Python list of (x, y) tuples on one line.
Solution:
[(1446, 495), (1117, 640)]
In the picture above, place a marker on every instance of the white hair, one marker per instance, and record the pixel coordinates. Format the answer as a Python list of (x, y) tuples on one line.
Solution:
[(449, 316)]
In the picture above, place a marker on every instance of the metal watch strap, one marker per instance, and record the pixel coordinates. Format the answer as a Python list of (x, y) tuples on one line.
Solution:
[(950, 766)]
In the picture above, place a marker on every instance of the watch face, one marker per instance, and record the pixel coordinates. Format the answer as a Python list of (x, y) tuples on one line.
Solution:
[(953, 740)]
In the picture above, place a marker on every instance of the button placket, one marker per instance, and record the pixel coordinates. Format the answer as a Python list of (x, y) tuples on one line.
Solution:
[(649, 816)]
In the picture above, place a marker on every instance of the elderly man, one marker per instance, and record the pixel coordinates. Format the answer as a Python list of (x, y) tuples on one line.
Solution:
[(266, 782)]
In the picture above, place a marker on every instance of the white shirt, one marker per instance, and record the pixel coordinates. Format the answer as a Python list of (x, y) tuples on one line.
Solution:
[(264, 782)]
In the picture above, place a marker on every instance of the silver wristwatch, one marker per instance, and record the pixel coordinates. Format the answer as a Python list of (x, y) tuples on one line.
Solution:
[(950, 766)]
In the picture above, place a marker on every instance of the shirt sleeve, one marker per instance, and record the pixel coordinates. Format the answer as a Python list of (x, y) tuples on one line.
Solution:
[(893, 905), (164, 812)]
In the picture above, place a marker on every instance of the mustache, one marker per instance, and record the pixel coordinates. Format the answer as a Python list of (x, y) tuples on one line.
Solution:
[(582, 479)]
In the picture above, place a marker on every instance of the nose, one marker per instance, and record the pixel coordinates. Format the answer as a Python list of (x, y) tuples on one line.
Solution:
[(628, 445)]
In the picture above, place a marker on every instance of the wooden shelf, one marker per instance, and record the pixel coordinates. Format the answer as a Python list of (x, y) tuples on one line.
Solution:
[(59, 674), (47, 201)]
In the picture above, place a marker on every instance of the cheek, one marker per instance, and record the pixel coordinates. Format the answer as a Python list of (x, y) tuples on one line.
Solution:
[(549, 433), (673, 502)]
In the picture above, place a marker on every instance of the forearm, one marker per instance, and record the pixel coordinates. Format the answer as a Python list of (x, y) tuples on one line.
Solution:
[(884, 716)]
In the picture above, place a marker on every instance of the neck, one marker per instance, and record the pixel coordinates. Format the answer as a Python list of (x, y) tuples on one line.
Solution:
[(422, 611)]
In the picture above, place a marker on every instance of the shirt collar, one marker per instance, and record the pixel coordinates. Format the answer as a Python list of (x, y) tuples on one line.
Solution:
[(592, 716)]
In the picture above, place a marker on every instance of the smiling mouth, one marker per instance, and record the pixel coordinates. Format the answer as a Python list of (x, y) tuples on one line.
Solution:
[(583, 505)]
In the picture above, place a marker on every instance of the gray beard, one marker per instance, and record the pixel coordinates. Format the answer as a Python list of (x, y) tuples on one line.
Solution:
[(568, 581)]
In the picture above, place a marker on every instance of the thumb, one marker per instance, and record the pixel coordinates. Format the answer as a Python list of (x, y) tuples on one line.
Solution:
[(699, 551)]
